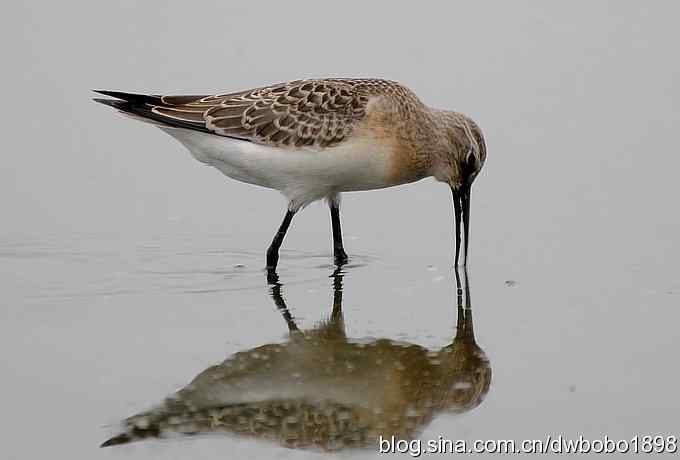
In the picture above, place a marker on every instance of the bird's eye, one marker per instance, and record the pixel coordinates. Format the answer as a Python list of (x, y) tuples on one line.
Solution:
[(471, 158)]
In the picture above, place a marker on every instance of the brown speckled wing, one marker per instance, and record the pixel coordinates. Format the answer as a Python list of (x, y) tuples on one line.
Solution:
[(317, 113)]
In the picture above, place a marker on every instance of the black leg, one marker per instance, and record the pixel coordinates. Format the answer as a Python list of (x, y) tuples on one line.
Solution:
[(335, 327), (336, 314), (273, 251), (277, 296), (338, 249)]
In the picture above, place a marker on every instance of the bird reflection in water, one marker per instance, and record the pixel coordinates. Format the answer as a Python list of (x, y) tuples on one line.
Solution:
[(322, 389)]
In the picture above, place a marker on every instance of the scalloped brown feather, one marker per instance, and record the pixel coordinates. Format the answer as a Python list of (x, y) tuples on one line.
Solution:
[(318, 112)]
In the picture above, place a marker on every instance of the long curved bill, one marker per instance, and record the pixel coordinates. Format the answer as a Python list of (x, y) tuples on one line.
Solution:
[(461, 207)]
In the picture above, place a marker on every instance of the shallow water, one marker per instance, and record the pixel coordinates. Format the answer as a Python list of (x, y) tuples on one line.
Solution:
[(127, 269), (110, 327)]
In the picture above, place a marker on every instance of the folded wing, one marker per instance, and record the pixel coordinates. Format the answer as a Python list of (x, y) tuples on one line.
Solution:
[(317, 113)]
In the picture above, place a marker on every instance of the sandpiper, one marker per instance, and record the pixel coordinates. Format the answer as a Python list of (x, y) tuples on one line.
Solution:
[(316, 138)]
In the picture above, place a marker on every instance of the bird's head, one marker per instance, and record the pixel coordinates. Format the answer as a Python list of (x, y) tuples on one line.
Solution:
[(468, 154), (459, 163)]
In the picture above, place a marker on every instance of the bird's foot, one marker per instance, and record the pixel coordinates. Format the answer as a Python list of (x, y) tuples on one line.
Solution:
[(340, 257)]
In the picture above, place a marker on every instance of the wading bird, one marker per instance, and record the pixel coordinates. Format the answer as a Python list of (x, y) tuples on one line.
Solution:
[(314, 139)]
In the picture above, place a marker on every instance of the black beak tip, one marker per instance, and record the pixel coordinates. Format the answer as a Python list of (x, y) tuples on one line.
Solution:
[(461, 205)]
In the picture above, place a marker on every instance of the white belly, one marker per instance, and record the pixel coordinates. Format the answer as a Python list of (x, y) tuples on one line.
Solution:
[(303, 174)]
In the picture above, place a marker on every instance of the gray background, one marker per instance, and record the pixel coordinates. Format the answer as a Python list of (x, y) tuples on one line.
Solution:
[(120, 255)]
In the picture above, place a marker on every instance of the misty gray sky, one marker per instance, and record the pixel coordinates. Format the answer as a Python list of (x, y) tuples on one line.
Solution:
[(575, 101)]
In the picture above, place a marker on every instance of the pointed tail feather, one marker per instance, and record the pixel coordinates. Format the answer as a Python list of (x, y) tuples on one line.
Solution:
[(116, 440), (141, 106), (135, 433), (131, 97)]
